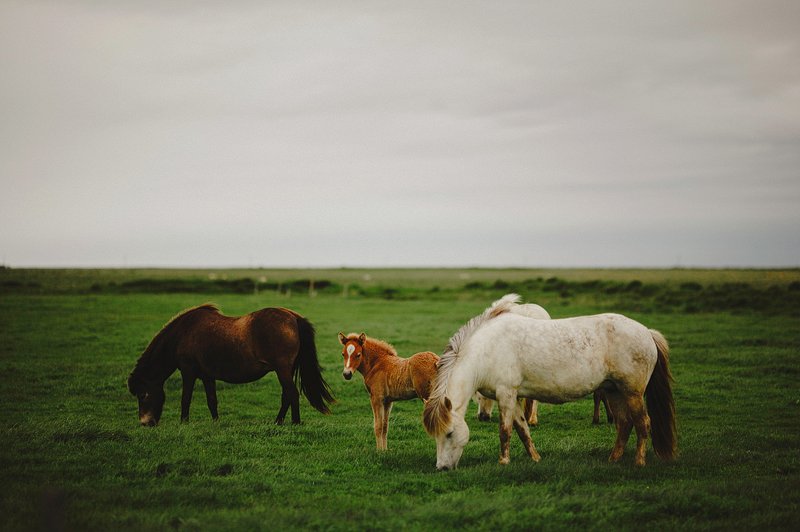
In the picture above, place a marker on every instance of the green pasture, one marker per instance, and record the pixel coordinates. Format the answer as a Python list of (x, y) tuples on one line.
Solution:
[(72, 453)]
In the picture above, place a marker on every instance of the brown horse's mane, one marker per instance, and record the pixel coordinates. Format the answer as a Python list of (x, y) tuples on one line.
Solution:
[(161, 342)]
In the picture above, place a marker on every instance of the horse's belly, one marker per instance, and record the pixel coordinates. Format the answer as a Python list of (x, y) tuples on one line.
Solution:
[(561, 383), (236, 373)]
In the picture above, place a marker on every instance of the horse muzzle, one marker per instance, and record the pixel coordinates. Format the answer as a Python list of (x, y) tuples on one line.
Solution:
[(148, 421), (347, 375)]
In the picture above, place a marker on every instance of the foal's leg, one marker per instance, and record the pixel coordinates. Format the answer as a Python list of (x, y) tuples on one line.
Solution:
[(387, 409), (507, 405), (186, 397), (211, 396), (379, 419), (524, 433), (289, 396)]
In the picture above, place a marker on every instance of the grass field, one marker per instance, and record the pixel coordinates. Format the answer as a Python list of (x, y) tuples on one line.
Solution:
[(72, 452)]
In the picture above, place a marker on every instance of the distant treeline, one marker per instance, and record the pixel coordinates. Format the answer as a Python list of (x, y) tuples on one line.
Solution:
[(688, 297)]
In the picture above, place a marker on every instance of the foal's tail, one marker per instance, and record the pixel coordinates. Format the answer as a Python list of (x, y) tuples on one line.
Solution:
[(661, 404), (307, 368)]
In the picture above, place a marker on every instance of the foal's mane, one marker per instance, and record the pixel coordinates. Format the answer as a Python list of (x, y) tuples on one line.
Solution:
[(436, 416), (379, 346), (162, 341)]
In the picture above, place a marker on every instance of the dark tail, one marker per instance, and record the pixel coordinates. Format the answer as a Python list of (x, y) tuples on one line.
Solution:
[(661, 404), (307, 368)]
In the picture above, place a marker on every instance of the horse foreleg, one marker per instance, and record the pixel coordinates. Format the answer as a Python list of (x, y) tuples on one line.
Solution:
[(387, 409), (186, 397), (379, 418), (521, 425), (210, 386), (507, 405)]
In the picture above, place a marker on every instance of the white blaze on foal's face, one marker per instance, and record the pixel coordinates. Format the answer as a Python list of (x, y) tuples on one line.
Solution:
[(351, 355)]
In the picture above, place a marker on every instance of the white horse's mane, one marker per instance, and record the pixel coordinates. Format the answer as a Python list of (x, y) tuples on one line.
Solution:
[(451, 353)]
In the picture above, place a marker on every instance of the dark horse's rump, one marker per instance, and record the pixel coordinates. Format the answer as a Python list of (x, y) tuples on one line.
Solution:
[(204, 344)]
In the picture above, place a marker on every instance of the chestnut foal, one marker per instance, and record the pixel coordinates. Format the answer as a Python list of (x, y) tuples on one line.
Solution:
[(387, 377)]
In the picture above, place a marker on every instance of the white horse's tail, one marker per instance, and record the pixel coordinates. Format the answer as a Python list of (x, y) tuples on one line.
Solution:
[(436, 415), (661, 403)]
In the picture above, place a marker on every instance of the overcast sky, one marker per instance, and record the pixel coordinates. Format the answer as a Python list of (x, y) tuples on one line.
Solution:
[(399, 133)]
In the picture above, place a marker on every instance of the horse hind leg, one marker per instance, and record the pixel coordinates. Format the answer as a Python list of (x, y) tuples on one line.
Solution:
[(289, 397), (624, 424), (641, 421)]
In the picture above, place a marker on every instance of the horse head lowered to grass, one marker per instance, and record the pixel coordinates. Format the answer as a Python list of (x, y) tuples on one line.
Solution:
[(502, 354), (204, 344)]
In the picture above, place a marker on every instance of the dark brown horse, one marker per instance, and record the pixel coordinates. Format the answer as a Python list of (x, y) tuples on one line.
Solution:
[(203, 344)]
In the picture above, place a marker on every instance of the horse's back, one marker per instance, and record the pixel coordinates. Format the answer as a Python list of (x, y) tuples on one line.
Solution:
[(561, 360), (241, 349)]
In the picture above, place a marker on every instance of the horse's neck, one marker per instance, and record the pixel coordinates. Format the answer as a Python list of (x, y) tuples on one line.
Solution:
[(373, 354), (159, 366), (461, 385)]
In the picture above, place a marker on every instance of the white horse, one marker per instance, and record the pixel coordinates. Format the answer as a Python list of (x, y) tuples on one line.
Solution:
[(531, 408), (506, 356)]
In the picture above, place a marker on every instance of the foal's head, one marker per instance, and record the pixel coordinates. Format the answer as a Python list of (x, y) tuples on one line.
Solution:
[(151, 400), (352, 352)]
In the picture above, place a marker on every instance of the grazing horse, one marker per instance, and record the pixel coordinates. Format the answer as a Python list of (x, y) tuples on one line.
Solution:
[(508, 356), (387, 377), (203, 344)]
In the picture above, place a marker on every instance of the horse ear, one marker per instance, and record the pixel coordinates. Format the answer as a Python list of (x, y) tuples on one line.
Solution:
[(447, 404), (362, 338), (342, 338)]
